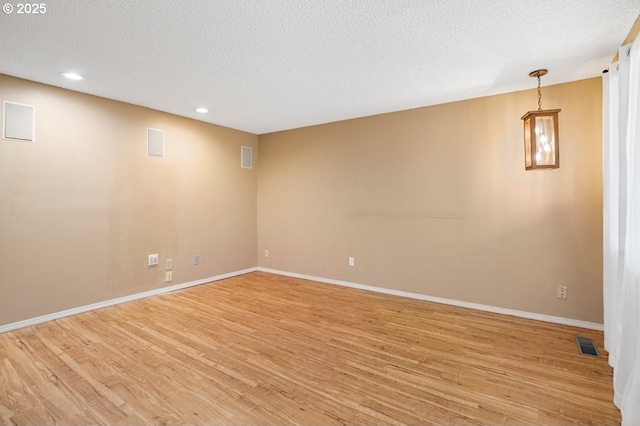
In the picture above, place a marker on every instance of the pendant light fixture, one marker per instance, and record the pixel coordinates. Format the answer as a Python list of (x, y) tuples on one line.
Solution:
[(541, 134)]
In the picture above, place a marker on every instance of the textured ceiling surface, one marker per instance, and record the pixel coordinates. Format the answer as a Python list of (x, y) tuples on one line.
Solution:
[(264, 66)]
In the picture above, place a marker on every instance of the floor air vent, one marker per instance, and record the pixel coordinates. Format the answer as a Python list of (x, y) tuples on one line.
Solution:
[(587, 346)]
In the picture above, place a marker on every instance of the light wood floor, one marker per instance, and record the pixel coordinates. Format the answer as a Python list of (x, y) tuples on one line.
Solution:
[(266, 349)]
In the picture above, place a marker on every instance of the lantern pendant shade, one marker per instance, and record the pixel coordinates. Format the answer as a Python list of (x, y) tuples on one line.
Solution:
[(541, 144)]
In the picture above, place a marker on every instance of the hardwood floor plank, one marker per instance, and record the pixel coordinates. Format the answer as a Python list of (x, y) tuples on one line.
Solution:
[(267, 349), (33, 416)]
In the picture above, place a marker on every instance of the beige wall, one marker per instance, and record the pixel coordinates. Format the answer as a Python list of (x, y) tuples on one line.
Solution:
[(433, 201), (436, 201), (82, 207)]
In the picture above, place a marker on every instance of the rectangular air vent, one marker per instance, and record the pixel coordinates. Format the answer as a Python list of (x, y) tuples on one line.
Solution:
[(19, 122), (246, 157), (155, 142), (587, 346)]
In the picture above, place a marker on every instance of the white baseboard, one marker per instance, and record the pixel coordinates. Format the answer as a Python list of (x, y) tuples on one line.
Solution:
[(93, 306), (462, 304)]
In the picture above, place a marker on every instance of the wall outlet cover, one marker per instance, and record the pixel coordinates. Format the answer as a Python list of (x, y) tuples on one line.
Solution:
[(152, 259), (562, 292)]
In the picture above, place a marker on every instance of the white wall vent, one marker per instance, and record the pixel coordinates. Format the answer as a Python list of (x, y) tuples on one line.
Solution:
[(155, 142), (19, 122), (246, 157)]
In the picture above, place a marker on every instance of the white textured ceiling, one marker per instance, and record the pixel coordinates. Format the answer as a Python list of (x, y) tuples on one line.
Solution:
[(268, 65)]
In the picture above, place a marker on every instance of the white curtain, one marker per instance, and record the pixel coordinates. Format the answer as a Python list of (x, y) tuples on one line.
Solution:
[(621, 219)]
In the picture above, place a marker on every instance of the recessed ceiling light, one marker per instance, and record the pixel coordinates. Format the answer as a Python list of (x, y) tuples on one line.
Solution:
[(72, 76), (202, 110)]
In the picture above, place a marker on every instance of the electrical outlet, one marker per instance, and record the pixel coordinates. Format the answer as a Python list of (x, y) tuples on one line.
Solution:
[(196, 260), (168, 276), (152, 260), (168, 264), (352, 261), (266, 253), (562, 292)]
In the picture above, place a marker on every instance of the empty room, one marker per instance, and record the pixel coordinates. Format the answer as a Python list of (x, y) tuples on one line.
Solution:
[(320, 212)]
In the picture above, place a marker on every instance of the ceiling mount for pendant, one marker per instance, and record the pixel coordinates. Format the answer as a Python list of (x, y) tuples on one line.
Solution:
[(538, 73)]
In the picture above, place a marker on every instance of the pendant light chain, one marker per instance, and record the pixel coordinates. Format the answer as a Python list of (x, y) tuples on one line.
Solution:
[(539, 95)]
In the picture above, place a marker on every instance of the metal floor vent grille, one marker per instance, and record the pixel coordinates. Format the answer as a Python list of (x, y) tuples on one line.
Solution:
[(587, 346)]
